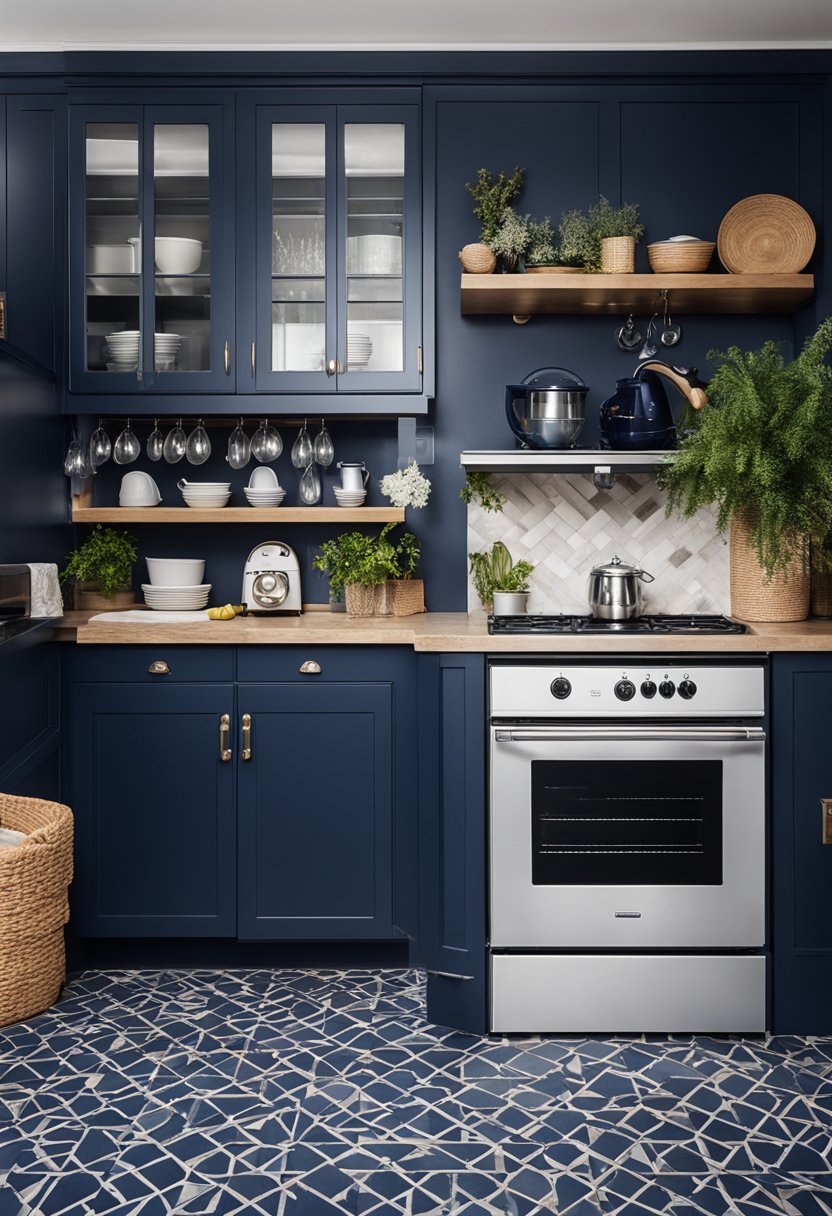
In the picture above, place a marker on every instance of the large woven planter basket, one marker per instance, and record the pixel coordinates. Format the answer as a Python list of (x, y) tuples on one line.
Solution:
[(822, 593), (785, 598), (34, 877), (618, 255), (400, 597), (360, 601)]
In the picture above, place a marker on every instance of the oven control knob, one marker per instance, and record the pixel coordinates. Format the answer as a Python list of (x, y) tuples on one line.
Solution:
[(687, 689), (667, 688), (648, 689), (625, 690), (561, 688)]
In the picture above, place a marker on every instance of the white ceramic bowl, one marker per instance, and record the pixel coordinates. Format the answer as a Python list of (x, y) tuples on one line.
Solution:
[(175, 571), (177, 254), (109, 259)]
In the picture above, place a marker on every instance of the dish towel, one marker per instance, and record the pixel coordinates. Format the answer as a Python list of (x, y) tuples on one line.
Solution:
[(46, 590)]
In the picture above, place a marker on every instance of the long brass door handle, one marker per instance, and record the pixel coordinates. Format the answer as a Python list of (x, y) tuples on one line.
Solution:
[(246, 736), (253, 357), (225, 737), (227, 357)]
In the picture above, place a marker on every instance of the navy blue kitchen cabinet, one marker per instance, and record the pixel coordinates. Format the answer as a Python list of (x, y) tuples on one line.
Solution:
[(30, 716), (151, 198), (32, 227), (330, 250), (801, 694), (452, 820), (153, 799)]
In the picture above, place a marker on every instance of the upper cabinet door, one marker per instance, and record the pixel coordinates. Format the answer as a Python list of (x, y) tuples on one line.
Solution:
[(152, 264), (337, 251)]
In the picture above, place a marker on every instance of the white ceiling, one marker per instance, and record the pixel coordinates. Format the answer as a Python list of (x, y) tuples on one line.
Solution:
[(415, 24)]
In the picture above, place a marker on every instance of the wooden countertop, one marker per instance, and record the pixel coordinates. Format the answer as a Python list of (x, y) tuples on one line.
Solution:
[(433, 631)]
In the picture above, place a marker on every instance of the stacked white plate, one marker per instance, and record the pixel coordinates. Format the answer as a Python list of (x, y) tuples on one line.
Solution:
[(263, 489), (176, 599), (123, 350), (166, 348), (349, 498), (205, 494), (264, 498), (359, 350)]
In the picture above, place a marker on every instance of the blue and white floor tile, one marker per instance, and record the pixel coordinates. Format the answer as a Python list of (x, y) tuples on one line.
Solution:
[(288, 1093)]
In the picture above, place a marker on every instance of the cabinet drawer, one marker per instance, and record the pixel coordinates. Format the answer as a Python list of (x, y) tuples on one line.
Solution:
[(270, 664), (186, 664)]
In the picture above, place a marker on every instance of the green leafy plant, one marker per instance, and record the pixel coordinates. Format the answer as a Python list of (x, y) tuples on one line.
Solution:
[(511, 240), (495, 571), (542, 248), (576, 244), (606, 220), (478, 488), (492, 194), (367, 561), (763, 444), (581, 233), (105, 559)]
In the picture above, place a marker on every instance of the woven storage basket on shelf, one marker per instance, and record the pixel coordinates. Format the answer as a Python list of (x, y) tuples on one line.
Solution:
[(821, 602), (680, 257), (34, 877), (785, 598), (477, 259), (618, 255), (360, 601), (406, 596)]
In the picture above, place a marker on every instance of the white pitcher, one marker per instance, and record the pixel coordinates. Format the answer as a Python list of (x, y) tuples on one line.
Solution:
[(353, 476)]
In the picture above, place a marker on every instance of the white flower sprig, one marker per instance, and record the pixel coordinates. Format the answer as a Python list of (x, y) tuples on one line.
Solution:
[(406, 488)]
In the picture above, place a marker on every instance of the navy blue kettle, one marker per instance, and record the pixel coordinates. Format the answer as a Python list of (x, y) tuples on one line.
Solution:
[(638, 417)]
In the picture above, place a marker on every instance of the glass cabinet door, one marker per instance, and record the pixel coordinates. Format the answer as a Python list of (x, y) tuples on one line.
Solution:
[(157, 306)]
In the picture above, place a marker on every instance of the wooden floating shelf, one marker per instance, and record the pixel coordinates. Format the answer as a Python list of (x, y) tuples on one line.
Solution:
[(237, 515), (613, 294)]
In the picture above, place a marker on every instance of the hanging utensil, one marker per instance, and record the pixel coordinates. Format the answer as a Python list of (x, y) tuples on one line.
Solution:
[(310, 485), (126, 448), (671, 333), (266, 445), (650, 349), (155, 442), (239, 447), (100, 446), (324, 450), (75, 461), (175, 443), (627, 337), (302, 453), (198, 447)]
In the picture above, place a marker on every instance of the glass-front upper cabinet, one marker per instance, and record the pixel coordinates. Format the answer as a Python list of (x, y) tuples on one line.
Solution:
[(337, 251), (151, 255)]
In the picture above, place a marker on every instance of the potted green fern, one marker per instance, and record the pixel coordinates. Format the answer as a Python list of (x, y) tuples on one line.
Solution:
[(761, 451)]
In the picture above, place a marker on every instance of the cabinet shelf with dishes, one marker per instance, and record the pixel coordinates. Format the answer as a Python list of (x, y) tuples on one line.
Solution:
[(524, 295), (84, 513)]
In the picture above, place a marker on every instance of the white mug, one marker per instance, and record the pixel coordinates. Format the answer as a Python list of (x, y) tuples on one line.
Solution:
[(353, 476)]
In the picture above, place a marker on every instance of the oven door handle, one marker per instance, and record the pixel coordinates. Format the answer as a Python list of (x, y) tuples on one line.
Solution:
[(707, 734)]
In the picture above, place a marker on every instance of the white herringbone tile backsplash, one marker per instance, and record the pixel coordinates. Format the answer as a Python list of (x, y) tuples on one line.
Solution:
[(565, 526)]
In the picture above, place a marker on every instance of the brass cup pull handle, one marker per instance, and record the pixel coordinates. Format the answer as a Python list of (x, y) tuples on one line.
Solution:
[(246, 736), (225, 737), (332, 367), (227, 357), (158, 668), (310, 668)]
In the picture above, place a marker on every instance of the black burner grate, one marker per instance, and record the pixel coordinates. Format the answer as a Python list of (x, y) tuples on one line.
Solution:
[(588, 624)]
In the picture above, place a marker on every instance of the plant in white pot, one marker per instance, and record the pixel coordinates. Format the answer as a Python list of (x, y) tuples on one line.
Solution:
[(501, 583), (762, 452)]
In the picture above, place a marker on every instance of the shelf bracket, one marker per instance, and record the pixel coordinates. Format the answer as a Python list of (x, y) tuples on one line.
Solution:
[(521, 319)]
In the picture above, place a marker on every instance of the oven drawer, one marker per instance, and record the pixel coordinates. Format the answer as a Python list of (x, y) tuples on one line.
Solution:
[(628, 993)]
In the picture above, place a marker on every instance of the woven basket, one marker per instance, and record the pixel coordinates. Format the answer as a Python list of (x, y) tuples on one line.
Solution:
[(360, 601), (680, 257), (785, 598), (34, 877), (618, 255), (477, 259), (405, 597), (821, 601)]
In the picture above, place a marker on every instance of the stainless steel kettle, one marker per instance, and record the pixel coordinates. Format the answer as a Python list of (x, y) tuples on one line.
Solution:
[(615, 590)]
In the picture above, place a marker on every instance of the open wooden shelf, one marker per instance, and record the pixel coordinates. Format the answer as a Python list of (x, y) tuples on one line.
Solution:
[(237, 515), (528, 294)]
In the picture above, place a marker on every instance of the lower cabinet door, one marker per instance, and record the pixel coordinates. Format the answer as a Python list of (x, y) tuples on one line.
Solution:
[(315, 811), (154, 811)]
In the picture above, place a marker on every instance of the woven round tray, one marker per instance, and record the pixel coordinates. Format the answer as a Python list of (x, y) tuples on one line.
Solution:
[(766, 234)]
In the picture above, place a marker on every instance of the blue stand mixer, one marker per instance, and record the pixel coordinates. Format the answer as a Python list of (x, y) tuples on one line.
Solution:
[(638, 417)]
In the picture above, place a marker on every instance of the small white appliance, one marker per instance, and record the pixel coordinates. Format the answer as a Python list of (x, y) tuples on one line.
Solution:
[(271, 579)]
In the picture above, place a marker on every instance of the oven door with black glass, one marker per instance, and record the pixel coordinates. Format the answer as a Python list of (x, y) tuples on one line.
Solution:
[(627, 836)]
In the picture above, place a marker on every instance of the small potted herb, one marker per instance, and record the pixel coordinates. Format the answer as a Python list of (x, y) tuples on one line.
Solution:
[(511, 240), (359, 566), (617, 231), (102, 570), (501, 584), (402, 594), (542, 254), (491, 194)]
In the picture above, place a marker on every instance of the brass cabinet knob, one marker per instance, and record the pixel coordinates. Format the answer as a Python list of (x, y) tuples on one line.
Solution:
[(158, 668), (310, 668)]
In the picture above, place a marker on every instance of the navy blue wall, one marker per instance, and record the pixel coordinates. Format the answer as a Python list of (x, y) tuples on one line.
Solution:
[(685, 146)]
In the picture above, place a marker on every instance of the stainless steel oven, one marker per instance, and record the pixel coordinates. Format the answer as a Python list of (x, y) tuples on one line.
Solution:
[(628, 826)]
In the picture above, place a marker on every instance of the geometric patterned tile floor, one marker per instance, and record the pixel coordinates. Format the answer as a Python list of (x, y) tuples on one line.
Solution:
[(316, 1093)]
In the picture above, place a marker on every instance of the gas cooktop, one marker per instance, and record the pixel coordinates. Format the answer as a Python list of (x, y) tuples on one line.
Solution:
[(589, 624)]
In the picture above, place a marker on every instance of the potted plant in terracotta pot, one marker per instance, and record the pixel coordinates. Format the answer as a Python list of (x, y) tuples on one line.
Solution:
[(501, 583), (491, 194), (102, 570), (762, 452)]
